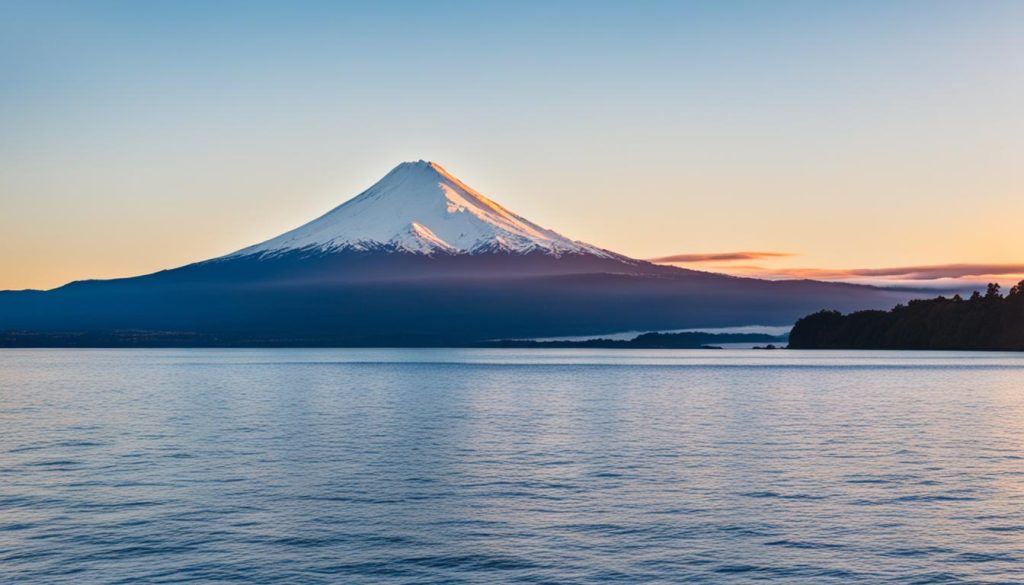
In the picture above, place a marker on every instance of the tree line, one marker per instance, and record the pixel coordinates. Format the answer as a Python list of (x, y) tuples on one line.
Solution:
[(989, 321)]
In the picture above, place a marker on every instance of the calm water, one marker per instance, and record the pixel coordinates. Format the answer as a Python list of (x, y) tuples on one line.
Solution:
[(548, 466)]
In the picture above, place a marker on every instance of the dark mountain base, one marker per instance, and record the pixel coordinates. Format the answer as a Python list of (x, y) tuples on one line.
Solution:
[(407, 300)]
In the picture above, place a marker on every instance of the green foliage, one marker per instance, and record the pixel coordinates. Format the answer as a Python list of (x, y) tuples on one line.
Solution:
[(990, 321)]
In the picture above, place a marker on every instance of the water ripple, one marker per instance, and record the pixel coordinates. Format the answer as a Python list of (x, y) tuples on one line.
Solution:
[(480, 466)]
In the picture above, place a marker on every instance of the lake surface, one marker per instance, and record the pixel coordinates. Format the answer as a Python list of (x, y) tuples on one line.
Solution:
[(513, 466)]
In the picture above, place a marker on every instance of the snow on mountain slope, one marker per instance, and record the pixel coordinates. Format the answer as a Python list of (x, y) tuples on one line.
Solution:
[(420, 208)]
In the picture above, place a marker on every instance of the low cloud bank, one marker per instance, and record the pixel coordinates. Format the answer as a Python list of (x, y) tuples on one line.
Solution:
[(937, 273), (931, 272)]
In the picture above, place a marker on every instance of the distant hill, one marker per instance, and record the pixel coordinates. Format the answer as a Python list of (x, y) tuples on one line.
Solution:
[(685, 340), (987, 321)]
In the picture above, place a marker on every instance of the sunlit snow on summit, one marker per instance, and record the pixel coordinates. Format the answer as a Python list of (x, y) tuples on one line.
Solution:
[(419, 207)]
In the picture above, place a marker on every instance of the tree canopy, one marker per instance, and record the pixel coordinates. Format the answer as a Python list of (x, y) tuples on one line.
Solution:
[(989, 321)]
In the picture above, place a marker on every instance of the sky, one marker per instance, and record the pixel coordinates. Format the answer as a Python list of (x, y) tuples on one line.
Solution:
[(848, 140)]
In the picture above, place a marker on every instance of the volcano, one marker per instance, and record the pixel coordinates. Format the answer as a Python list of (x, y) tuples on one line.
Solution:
[(418, 259), (420, 208)]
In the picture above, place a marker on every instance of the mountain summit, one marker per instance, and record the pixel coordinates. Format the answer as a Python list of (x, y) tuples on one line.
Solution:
[(421, 208)]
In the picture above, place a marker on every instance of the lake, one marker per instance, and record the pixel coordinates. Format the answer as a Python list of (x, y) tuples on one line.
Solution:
[(512, 466)]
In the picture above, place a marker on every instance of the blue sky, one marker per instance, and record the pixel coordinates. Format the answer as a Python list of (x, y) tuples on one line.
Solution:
[(136, 136)]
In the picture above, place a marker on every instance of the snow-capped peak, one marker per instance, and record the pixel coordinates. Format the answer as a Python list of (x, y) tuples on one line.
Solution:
[(421, 208)]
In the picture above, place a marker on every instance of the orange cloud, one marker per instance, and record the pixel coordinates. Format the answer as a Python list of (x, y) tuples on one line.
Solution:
[(930, 275), (930, 272), (717, 257), (975, 270)]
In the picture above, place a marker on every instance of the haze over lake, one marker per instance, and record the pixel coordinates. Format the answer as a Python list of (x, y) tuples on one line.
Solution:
[(520, 466)]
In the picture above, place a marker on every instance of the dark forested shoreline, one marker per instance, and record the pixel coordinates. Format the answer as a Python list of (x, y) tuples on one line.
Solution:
[(989, 321)]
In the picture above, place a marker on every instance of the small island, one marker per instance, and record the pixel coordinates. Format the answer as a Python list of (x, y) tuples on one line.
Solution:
[(683, 340), (990, 321)]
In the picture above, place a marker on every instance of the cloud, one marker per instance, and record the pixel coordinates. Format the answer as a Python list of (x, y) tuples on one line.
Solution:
[(933, 274), (929, 272), (718, 257)]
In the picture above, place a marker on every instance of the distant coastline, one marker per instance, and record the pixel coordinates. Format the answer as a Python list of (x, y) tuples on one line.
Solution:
[(171, 339), (683, 340)]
